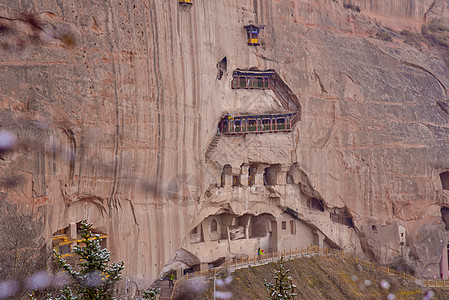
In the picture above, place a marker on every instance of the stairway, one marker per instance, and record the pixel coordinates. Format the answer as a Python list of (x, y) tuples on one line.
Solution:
[(211, 148), (285, 95), (165, 291)]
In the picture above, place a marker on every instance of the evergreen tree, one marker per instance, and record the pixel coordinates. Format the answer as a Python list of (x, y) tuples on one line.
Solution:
[(93, 278), (150, 294), (283, 287)]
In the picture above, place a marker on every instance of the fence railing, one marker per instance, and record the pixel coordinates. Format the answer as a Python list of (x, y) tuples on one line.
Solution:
[(437, 283), (236, 263)]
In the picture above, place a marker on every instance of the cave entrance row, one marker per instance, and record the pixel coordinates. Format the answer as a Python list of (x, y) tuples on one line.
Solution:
[(254, 174)]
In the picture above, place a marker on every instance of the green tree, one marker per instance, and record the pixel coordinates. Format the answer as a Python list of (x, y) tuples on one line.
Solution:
[(150, 294), (283, 287), (93, 278)]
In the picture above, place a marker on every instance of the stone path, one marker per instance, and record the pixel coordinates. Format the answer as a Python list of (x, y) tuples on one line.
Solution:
[(166, 291)]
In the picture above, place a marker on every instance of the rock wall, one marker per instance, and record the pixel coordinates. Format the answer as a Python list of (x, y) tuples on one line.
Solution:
[(118, 124)]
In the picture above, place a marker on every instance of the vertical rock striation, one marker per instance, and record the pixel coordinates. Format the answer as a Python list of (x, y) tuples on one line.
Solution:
[(119, 123)]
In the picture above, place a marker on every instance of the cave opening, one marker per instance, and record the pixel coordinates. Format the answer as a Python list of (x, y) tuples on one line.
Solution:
[(315, 204), (196, 235), (445, 216), (270, 175), (341, 216), (222, 67), (226, 175), (213, 226), (444, 177), (252, 170), (259, 226)]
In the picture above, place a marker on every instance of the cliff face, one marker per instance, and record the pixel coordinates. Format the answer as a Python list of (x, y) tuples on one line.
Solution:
[(120, 122)]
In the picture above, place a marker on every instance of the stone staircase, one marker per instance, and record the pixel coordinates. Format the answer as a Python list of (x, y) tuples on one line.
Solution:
[(287, 99), (285, 95), (165, 291), (211, 148)]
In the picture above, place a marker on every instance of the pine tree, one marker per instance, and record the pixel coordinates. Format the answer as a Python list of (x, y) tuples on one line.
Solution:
[(283, 287), (93, 278), (150, 294)]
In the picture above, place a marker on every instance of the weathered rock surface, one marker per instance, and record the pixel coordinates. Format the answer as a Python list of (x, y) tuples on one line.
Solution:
[(116, 122)]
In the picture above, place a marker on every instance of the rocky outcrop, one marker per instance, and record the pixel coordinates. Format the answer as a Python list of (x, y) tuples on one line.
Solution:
[(114, 127)]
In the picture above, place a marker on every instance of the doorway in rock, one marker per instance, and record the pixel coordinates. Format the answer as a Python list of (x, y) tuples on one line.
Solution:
[(444, 177), (444, 263)]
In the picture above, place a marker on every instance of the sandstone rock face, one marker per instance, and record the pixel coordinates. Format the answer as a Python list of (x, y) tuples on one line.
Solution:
[(117, 127)]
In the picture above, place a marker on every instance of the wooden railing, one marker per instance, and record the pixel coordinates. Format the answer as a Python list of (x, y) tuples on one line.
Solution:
[(257, 124), (437, 283), (238, 263)]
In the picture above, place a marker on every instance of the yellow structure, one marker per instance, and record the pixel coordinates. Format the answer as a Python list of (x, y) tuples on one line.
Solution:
[(63, 243), (253, 34), (184, 2)]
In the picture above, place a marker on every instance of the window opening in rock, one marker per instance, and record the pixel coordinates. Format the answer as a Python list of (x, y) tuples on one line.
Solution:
[(292, 227), (315, 238), (444, 177), (315, 204), (374, 228), (401, 230), (283, 225), (252, 171), (213, 226), (235, 180), (222, 67)]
